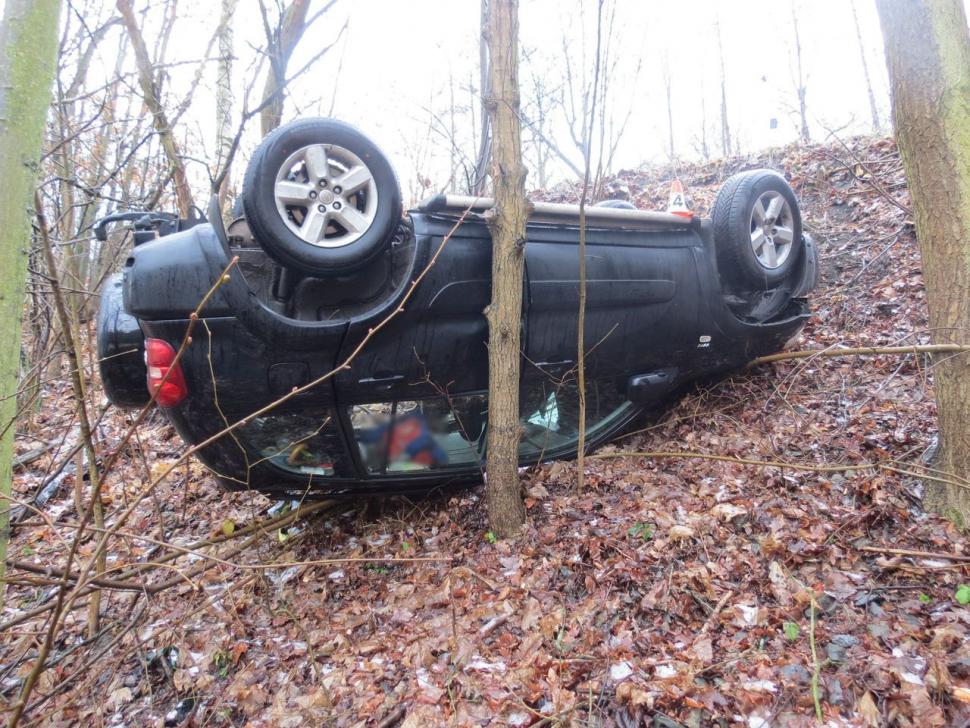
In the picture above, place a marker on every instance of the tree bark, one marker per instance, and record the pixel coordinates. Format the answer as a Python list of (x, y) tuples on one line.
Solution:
[(506, 511), (928, 54), (281, 47), (28, 49)]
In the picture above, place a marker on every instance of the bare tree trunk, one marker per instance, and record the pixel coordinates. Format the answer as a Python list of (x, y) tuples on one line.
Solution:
[(28, 48), (581, 325), (506, 511), (725, 128), (928, 54), (153, 101), (485, 141), (665, 72), (865, 69), (800, 82), (705, 149), (224, 130), (281, 44)]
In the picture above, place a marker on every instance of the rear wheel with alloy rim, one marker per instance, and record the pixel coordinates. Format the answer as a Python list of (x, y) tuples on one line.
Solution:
[(757, 230), (321, 198)]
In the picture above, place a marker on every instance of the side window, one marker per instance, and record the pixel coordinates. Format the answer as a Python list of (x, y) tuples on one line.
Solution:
[(298, 443), (416, 436), (549, 413)]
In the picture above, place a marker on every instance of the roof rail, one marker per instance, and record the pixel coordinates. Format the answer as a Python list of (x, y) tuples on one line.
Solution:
[(599, 217)]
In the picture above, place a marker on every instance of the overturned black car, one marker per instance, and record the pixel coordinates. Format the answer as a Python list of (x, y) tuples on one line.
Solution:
[(325, 256)]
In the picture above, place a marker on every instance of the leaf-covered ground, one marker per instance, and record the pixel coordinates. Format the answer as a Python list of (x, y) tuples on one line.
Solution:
[(670, 591)]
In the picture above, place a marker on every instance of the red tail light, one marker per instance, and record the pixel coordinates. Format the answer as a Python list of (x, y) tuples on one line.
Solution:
[(160, 357)]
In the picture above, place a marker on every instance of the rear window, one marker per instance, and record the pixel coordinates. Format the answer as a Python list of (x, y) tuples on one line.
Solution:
[(415, 436)]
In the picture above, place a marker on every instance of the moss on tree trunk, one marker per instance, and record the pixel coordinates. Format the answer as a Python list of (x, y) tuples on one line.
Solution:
[(28, 52), (506, 511), (928, 54)]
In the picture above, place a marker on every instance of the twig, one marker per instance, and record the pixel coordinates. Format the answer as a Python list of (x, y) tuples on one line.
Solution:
[(493, 625), (393, 717), (815, 665), (56, 571), (860, 351), (717, 610), (910, 552), (882, 465), (872, 177)]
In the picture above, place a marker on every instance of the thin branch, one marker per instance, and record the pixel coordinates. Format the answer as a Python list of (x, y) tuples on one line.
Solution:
[(860, 351)]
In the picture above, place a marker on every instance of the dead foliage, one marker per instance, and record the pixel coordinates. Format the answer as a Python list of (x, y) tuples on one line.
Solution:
[(668, 592)]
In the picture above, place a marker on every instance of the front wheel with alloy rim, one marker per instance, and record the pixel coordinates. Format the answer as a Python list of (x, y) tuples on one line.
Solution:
[(321, 198), (757, 230)]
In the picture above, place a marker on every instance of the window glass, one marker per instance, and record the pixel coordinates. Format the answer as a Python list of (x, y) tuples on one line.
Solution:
[(550, 416), (299, 443), (415, 436)]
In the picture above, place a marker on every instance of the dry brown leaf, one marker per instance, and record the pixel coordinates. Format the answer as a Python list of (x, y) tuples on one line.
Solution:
[(780, 584), (962, 694), (869, 711), (677, 533)]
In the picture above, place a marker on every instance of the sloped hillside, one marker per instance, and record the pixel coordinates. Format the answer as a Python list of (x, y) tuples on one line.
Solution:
[(756, 567)]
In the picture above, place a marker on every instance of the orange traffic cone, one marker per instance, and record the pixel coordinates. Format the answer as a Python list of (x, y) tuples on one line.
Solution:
[(678, 201)]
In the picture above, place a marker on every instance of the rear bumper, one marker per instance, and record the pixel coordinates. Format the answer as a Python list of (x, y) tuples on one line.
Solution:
[(121, 350)]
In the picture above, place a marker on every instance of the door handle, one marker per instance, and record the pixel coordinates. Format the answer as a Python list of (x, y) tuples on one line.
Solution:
[(381, 384)]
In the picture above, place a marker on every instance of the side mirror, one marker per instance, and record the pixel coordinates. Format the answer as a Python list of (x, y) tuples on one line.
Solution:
[(646, 388)]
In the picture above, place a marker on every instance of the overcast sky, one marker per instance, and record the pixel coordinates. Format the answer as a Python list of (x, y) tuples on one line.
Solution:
[(399, 61), (395, 68)]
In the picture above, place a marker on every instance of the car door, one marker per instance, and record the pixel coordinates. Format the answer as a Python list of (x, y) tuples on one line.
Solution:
[(436, 344), (642, 301)]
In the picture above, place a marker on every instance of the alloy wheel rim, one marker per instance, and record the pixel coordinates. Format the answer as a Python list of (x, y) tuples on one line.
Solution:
[(326, 195), (772, 230)]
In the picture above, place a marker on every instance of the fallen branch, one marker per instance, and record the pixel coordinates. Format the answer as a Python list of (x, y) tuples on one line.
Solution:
[(860, 351), (717, 610), (122, 581), (51, 571), (888, 465), (393, 717), (917, 554), (815, 665)]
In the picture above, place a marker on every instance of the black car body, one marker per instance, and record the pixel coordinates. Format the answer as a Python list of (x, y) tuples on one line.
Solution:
[(409, 412)]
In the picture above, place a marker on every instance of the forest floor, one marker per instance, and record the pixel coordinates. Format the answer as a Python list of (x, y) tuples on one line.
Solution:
[(670, 591)]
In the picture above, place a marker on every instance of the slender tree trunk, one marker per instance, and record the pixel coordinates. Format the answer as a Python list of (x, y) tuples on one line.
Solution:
[(224, 130), (150, 90), (725, 128), (800, 83), (485, 140), (665, 71), (705, 149), (865, 69), (928, 54), (290, 31), (506, 511), (28, 49), (581, 325)]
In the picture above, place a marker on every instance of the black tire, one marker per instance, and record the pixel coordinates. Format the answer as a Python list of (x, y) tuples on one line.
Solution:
[(735, 225), (380, 203)]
